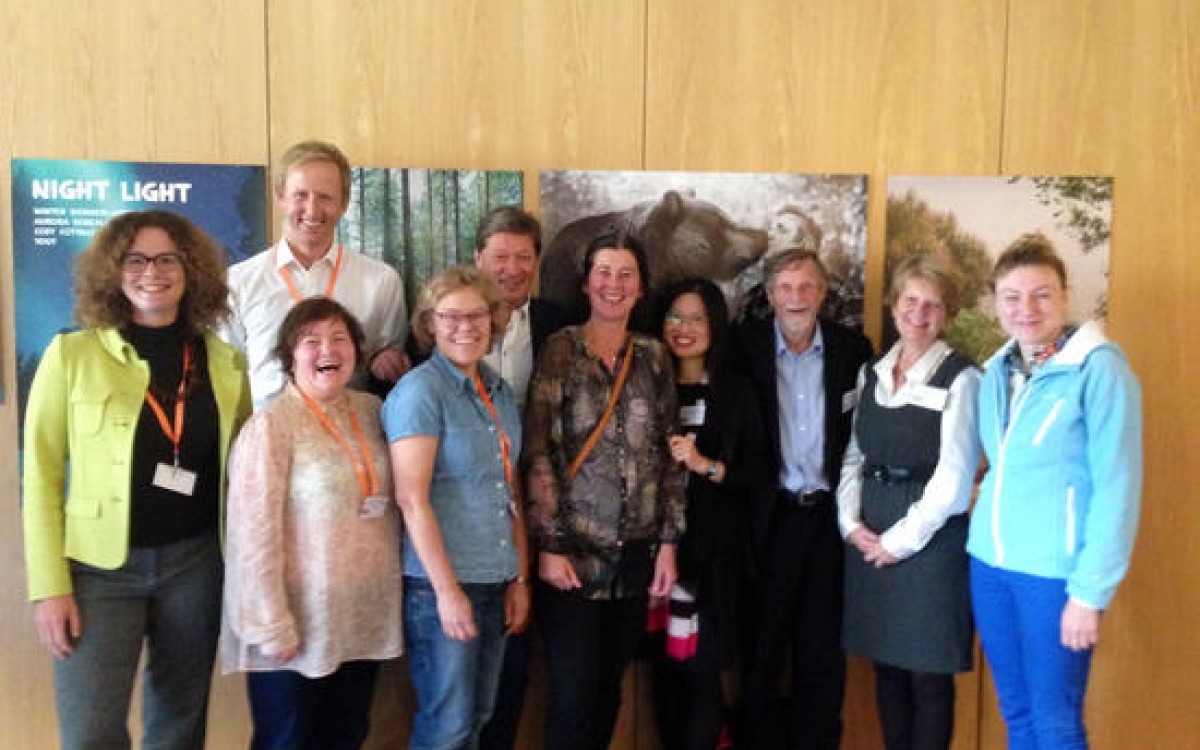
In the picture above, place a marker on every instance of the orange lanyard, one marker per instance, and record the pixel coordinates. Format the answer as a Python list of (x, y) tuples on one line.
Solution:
[(505, 446), (364, 467), (333, 277), (174, 432)]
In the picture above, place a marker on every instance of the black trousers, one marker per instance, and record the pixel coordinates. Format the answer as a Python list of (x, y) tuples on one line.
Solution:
[(916, 709), (689, 706), (798, 604), (588, 646)]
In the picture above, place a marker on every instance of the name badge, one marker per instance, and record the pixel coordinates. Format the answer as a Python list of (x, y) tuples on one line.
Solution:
[(693, 416), (929, 397), (373, 507), (175, 479), (849, 401)]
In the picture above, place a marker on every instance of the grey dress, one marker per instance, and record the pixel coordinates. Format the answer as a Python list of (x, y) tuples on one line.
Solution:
[(915, 614)]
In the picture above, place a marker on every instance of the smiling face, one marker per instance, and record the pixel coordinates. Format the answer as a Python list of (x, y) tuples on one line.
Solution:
[(920, 314), (511, 260), (796, 295), (613, 286), (153, 277), (312, 204), (324, 359), (685, 328), (462, 328), (1031, 304)]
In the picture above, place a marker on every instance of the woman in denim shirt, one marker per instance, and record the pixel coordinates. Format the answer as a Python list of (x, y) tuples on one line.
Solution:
[(455, 433)]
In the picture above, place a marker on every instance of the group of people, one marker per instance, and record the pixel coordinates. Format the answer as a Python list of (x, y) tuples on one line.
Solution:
[(206, 463)]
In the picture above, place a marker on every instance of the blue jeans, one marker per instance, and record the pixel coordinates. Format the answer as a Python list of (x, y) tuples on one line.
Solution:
[(167, 597), (1039, 681), (294, 712), (455, 681)]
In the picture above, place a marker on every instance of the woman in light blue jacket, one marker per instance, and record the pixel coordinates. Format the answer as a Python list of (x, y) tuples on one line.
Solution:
[(1061, 424)]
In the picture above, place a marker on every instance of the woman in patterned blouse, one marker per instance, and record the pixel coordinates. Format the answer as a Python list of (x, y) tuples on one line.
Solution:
[(606, 530)]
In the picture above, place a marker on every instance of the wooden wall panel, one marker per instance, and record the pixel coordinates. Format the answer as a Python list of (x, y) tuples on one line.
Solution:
[(130, 80), (885, 88), (531, 84), (1111, 87)]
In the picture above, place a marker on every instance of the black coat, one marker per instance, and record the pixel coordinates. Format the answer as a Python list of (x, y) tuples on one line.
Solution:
[(845, 352)]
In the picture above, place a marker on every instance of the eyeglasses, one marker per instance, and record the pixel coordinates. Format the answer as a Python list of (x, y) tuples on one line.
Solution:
[(453, 319), (675, 319), (136, 263)]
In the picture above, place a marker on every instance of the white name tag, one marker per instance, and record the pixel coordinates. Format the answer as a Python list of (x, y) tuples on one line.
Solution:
[(849, 401), (175, 479), (693, 416), (373, 507), (929, 397)]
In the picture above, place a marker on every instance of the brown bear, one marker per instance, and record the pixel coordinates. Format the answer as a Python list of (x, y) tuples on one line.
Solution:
[(683, 236)]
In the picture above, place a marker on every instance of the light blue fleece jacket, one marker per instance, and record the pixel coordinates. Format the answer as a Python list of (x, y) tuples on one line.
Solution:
[(1063, 488)]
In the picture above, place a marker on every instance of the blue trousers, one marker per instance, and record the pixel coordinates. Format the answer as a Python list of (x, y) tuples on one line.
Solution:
[(167, 598), (1040, 682), (455, 681), (294, 712)]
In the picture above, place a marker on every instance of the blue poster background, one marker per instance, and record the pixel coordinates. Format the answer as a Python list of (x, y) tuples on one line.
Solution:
[(57, 205)]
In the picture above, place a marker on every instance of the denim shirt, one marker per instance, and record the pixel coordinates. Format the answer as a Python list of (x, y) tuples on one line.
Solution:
[(469, 493)]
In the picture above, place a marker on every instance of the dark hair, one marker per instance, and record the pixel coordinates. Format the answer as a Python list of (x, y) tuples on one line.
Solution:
[(303, 316), (617, 239), (509, 220), (715, 310), (1030, 249), (99, 299)]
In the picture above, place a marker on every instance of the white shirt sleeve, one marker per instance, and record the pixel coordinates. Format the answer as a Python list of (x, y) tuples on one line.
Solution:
[(948, 491), (849, 489)]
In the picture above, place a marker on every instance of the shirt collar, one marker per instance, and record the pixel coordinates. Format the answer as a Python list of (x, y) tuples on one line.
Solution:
[(461, 380), (921, 370), (285, 257), (817, 347)]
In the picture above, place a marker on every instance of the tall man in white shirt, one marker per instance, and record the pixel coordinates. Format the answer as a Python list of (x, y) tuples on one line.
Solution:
[(312, 189), (507, 247)]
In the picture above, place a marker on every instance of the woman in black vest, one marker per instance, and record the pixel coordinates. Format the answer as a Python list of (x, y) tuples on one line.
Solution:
[(902, 507)]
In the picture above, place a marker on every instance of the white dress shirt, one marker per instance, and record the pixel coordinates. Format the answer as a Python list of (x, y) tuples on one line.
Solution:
[(948, 491), (512, 354), (259, 298)]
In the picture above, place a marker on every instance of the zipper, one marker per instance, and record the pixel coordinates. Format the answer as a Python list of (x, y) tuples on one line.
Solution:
[(999, 486), (1070, 521)]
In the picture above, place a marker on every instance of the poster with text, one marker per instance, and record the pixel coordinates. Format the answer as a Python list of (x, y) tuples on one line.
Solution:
[(57, 206)]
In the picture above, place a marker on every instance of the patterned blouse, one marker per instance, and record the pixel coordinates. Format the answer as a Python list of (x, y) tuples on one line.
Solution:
[(308, 560), (628, 489)]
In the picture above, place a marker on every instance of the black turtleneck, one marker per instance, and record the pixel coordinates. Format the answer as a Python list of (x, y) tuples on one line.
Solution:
[(159, 516)]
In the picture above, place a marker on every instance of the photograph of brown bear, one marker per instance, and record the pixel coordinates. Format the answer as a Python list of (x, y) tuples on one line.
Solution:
[(718, 226)]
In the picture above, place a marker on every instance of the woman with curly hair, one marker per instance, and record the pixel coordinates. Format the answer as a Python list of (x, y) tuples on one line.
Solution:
[(127, 429)]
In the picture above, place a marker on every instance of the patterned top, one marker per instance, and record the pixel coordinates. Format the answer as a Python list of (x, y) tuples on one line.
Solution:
[(308, 559), (628, 488)]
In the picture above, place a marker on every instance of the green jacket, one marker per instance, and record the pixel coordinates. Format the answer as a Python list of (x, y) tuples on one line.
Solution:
[(80, 419)]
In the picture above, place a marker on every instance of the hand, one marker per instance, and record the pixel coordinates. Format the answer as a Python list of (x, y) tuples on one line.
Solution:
[(390, 364), (864, 540), (58, 625), (456, 614), (1080, 626), (282, 654), (557, 571), (683, 450), (516, 608), (664, 572), (881, 557)]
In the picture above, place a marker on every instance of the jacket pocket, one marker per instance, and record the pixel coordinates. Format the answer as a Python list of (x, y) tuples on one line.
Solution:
[(1040, 435), (87, 414)]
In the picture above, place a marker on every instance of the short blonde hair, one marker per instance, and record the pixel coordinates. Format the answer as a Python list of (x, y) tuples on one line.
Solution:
[(929, 268), (307, 151), (447, 282)]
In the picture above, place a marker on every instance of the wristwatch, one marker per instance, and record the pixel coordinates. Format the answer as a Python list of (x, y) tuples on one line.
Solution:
[(711, 473)]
